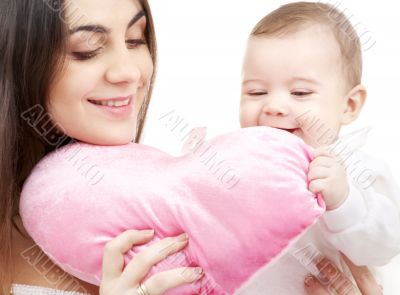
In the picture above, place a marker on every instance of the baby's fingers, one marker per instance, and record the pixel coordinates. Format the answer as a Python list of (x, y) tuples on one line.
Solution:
[(319, 172), (322, 161), (323, 151), (317, 186), (327, 152)]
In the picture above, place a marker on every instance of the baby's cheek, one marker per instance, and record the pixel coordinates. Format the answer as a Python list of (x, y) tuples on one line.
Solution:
[(248, 115)]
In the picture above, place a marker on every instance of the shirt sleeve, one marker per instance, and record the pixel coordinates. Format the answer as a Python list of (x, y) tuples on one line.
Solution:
[(366, 227)]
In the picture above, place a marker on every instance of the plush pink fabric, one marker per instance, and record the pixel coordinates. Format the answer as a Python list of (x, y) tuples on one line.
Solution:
[(241, 197)]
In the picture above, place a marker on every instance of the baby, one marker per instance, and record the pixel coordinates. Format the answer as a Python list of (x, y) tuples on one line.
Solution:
[(302, 73)]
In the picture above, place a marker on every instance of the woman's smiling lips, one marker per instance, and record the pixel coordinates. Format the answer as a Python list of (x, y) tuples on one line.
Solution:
[(118, 107)]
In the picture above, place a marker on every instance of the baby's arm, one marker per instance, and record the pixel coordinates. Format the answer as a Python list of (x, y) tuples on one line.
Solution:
[(365, 225)]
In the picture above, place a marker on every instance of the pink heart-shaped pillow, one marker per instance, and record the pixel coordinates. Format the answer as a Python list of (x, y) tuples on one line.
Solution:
[(242, 197)]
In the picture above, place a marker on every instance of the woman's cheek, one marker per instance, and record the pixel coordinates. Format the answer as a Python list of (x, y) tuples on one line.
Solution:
[(83, 81), (146, 73), (147, 70)]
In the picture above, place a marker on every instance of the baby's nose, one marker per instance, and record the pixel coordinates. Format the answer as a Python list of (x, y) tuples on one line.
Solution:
[(275, 109)]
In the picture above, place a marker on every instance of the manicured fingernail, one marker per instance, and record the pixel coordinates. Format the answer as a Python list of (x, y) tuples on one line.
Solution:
[(182, 237), (148, 232), (198, 271), (309, 281)]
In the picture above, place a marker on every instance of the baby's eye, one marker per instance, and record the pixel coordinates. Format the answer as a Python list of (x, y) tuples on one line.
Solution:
[(258, 93), (301, 93)]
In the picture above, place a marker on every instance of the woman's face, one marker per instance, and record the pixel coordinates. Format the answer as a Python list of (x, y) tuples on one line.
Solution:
[(97, 97)]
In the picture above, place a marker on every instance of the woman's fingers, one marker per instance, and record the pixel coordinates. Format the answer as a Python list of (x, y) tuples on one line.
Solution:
[(313, 287), (330, 278), (166, 280), (119, 280), (342, 286), (330, 281), (364, 278), (334, 280), (113, 257), (140, 265)]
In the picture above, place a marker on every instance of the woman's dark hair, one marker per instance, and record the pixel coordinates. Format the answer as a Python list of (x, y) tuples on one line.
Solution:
[(32, 50)]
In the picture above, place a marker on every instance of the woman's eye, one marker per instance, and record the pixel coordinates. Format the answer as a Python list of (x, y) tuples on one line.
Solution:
[(301, 93), (85, 55), (133, 43)]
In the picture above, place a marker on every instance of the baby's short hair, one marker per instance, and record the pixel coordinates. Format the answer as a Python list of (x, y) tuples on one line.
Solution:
[(291, 18)]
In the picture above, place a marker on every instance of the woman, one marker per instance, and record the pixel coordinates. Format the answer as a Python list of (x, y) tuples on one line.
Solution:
[(61, 64)]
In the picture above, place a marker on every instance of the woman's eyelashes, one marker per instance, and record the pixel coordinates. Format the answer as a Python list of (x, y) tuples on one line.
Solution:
[(85, 55), (133, 43)]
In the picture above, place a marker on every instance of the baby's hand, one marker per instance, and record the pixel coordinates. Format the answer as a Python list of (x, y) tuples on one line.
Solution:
[(327, 175)]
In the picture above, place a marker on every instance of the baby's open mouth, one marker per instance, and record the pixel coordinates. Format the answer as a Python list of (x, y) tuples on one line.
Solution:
[(289, 130)]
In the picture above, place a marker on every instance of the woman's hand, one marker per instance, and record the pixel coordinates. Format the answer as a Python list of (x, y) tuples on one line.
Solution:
[(117, 280), (333, 281)]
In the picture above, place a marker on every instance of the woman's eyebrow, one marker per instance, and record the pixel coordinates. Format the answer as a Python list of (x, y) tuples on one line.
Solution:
[(138, 16), (104, 30)]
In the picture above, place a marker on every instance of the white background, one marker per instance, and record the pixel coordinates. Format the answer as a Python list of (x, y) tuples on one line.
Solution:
[(201, 45)]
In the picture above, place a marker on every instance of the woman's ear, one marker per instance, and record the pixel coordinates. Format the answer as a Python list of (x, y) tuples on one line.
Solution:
[(355, 100)]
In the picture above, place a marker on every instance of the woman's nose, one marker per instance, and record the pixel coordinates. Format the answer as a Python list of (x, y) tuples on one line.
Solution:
[(123, 68)]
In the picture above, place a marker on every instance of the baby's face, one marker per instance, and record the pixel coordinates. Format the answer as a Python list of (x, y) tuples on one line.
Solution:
[(296, 83)]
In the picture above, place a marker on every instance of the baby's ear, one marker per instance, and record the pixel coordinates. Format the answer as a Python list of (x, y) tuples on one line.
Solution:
[(355, 100)]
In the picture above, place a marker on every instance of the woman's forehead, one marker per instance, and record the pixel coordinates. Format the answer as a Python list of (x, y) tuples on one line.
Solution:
[(102, 12)]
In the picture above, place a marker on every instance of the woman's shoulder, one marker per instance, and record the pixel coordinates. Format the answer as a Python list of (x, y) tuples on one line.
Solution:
[(19, 289), (33, 269)]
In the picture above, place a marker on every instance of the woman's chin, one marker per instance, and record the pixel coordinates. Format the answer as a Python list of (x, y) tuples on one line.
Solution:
[(109, 139)]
